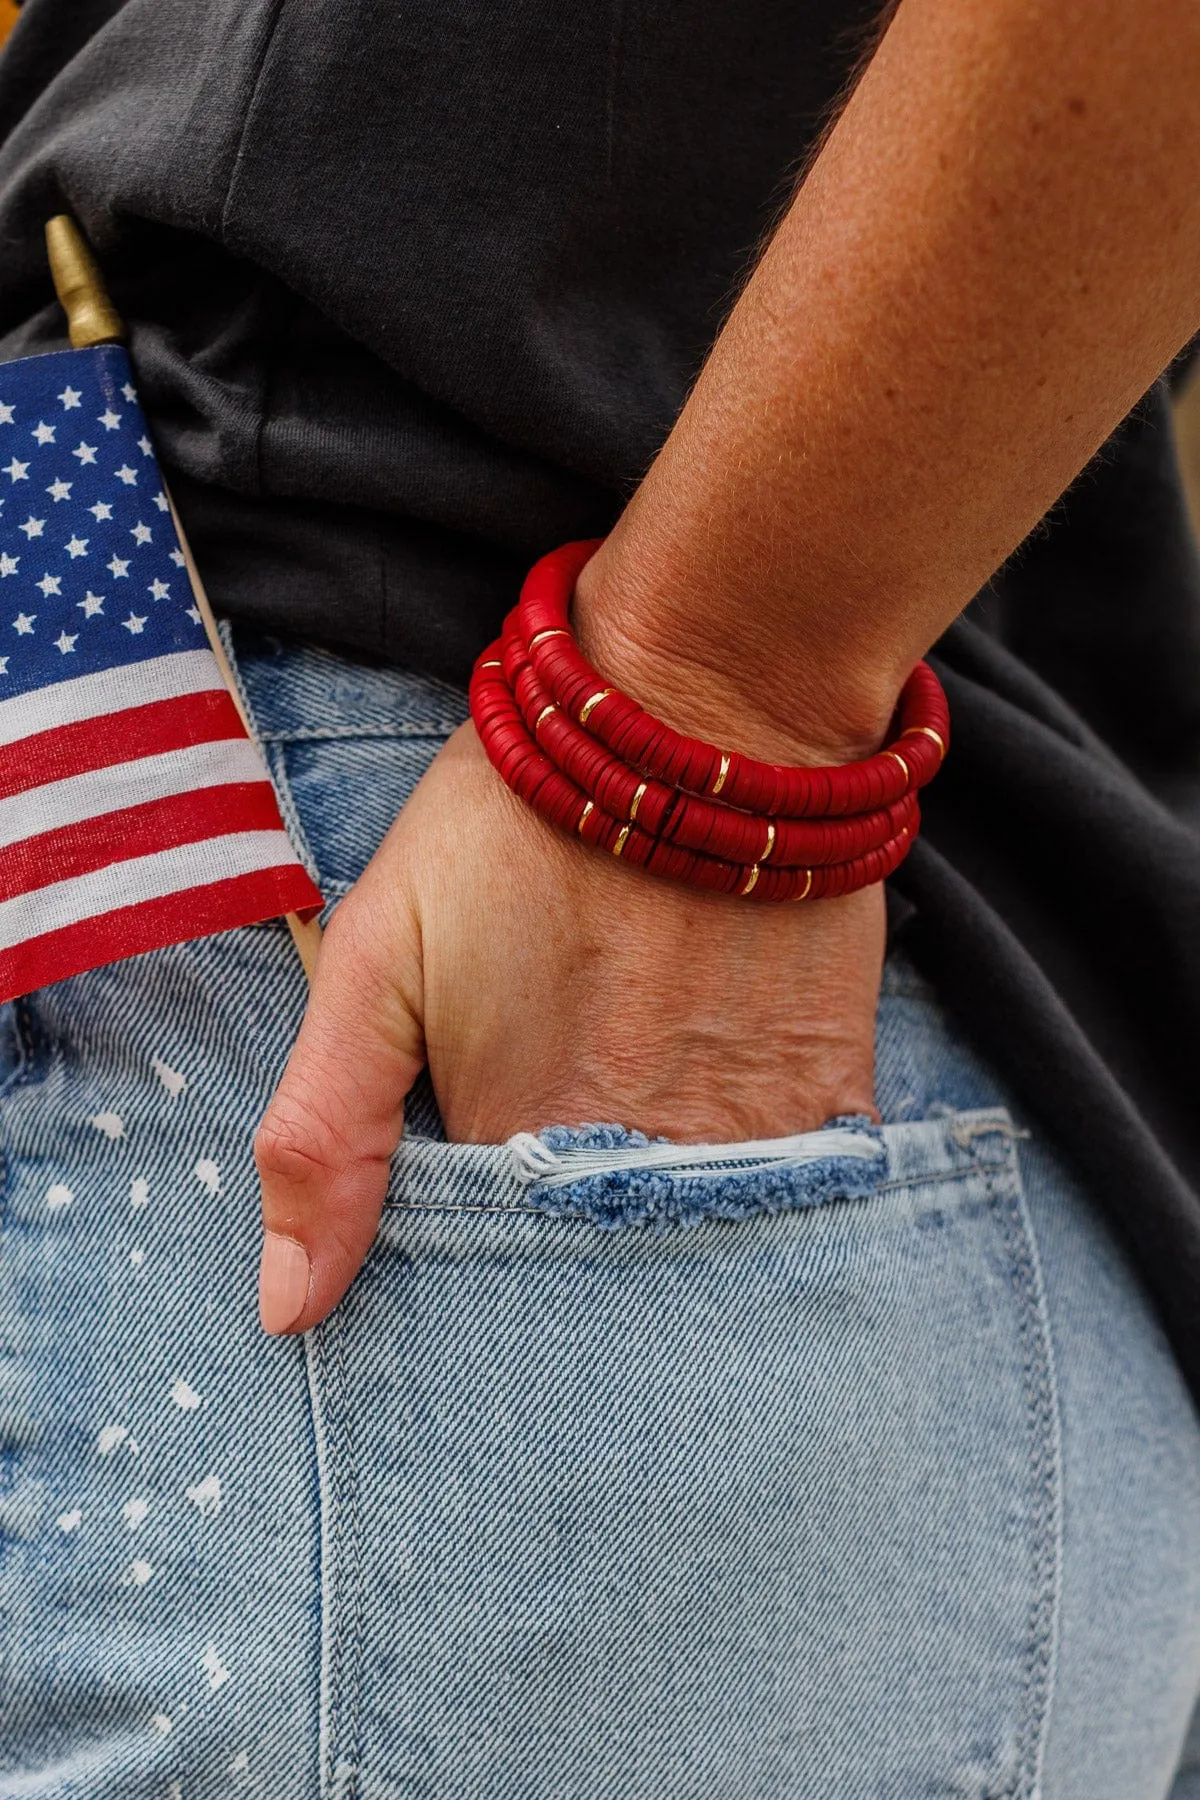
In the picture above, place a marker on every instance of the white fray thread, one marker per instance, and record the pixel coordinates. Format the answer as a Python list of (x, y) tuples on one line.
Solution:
[(534, 1161)]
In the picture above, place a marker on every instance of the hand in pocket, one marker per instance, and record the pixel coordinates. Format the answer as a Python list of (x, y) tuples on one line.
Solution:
[(543, 983)]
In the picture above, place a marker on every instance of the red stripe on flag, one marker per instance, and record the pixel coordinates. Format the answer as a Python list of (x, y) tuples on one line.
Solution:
[(117, 738), (114, 837), (153, 924)]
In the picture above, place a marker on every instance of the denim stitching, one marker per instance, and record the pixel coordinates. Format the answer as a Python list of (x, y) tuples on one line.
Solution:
[(274, 760), (1041, 1405), (539, 1212), (327, 1573), (344, 1631), (499, 1212), (277, 764), (1051, 1427), (301, 734)]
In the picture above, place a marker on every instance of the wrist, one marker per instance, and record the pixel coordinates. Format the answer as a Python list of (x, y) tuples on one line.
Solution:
[(712, 666)]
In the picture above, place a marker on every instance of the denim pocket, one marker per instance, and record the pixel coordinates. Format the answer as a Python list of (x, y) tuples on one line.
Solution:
[(695, 1489)]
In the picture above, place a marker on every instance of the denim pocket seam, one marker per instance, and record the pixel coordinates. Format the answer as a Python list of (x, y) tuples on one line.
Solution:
[(1006, 1197), (342, 1587), (277, 764), (970, 1173), (274, 763)]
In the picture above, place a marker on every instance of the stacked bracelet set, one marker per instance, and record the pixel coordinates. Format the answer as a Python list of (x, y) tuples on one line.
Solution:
[(592, 762)]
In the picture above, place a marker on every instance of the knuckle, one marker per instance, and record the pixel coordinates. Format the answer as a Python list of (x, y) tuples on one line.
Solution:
[(293, 1146)]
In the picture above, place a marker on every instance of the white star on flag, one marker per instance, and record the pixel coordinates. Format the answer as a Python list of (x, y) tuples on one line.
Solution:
[(126, 474), (130, 392), (17, 471), (159, 590), (133, 623), (193, 614), (59, 490), (177, 558), (76, 546), (8, 564), (6, 414), (117, 568), (43, 433), (101, 511), (3, 665), (140, 533), (70, 397), (161, 501), (49, 584), (145, 446), (32, 527), (91, 603), (23, 624), (85, 452), (64, 643), (109, 419)]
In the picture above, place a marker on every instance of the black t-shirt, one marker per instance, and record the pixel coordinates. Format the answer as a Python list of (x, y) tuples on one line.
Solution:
[(415, 292)]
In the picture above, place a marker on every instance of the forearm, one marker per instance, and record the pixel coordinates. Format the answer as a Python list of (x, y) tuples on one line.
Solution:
[(993, 256)]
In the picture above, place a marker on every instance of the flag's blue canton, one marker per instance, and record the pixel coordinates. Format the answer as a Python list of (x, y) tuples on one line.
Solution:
[(91, 572)]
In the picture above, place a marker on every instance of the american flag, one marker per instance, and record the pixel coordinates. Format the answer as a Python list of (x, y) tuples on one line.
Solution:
[(135, 811)]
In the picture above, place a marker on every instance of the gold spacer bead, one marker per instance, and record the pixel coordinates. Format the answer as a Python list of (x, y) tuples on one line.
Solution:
[(898, 758), (770, 841), (544, 714), (585, 815), (620, 843), (807, 885), (636, 801), (925, 731), (586, 708), (540, 636), (719, 783), (751, 878)]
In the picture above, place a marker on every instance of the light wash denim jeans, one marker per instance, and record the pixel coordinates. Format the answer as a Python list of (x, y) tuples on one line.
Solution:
[(855, 1476)]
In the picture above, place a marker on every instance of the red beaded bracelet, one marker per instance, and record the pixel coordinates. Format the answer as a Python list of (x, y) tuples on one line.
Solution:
[(627, 783), (680, 818)]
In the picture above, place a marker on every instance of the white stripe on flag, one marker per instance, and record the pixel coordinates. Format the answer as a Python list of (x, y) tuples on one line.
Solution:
[(108, 691), (79, 797), (141, 878)]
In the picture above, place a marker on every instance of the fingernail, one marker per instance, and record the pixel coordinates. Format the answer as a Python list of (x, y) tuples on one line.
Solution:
[(282, 1282)]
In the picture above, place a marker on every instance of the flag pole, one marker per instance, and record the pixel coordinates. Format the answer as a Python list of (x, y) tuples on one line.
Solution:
[(92, 319)]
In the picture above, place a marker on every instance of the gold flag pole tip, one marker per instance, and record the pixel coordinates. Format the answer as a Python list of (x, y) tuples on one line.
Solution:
[(91, 316)]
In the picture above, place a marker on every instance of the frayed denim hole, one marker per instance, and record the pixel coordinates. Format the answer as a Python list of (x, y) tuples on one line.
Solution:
[(661, 1199), (595, 1137)]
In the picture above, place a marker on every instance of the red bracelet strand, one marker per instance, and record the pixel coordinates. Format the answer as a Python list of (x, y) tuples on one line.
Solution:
[(687, 819), (700, 768), (536, 780), (591, 761)]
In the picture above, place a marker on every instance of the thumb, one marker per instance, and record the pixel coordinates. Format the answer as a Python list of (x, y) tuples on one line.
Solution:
[(324, 1146)]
